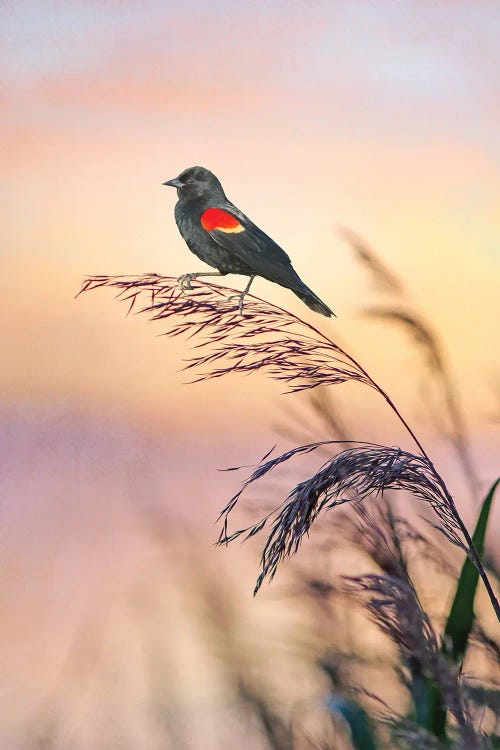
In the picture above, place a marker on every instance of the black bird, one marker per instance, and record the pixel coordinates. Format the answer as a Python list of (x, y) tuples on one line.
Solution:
[(222, 236)]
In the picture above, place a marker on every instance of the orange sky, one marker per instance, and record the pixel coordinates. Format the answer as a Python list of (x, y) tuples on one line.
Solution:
[(379, 118), (312, 116)]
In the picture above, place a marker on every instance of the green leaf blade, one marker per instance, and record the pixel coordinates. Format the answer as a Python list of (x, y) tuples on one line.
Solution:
[(461, 617)]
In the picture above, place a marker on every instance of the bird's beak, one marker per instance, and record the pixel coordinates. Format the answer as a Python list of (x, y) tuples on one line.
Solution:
[(176, 183)]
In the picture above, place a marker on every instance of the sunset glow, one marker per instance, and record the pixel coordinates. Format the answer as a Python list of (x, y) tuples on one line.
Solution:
[(379, 118)]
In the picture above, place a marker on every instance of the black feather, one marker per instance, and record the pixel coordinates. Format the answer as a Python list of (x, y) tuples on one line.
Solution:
[(250, 252)]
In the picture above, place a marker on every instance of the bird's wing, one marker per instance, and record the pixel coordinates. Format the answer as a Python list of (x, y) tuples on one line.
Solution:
[(234, 231)]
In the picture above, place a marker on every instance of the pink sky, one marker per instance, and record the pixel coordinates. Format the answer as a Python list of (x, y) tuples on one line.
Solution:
[(382, 119)]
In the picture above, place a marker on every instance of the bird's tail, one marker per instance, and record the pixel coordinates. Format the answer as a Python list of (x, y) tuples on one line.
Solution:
[(313, 301)]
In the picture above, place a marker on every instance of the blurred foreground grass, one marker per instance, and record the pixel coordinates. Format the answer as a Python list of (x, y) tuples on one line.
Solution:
[(373, 637)]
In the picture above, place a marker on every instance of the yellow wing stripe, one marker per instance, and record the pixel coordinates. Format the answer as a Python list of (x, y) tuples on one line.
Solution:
[(230, 230)]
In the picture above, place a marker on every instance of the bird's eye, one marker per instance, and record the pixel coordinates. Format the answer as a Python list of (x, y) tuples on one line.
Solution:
[(190, 180)]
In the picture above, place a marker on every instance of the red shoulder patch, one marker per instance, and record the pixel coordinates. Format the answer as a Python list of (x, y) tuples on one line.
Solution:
[(223, 221)]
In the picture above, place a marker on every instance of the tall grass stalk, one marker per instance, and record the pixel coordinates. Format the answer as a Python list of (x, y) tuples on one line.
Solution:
[(267, 337)]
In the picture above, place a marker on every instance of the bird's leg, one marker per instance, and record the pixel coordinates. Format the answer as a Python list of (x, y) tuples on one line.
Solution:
[(186, 278), (244, 293), (242, 296)]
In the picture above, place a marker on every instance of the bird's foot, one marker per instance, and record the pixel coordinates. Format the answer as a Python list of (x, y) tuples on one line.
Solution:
[(240, 298), (185, 280)]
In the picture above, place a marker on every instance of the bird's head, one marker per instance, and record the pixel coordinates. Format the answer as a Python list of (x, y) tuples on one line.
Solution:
[(195, 182)]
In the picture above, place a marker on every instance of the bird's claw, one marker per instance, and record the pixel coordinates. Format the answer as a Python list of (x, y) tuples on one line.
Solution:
[(185, 280), (240, 298)]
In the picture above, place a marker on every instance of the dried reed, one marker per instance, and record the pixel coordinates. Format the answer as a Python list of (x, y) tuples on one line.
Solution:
[(292, 351), (422, 334)]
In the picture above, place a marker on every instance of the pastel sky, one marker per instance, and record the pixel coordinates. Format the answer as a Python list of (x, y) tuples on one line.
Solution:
[(382, 117), (378, 116)]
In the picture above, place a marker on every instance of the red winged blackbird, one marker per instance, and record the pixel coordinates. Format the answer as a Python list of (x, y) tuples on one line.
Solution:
[(222, 236)]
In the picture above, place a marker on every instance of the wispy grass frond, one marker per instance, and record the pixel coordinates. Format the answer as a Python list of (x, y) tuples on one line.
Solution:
[(417, 329), (265, 337), (393, 604), (423, 336), (382, 275), (290, 350), (426, 340), (354, 474), (410, 736), (387, 538)]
